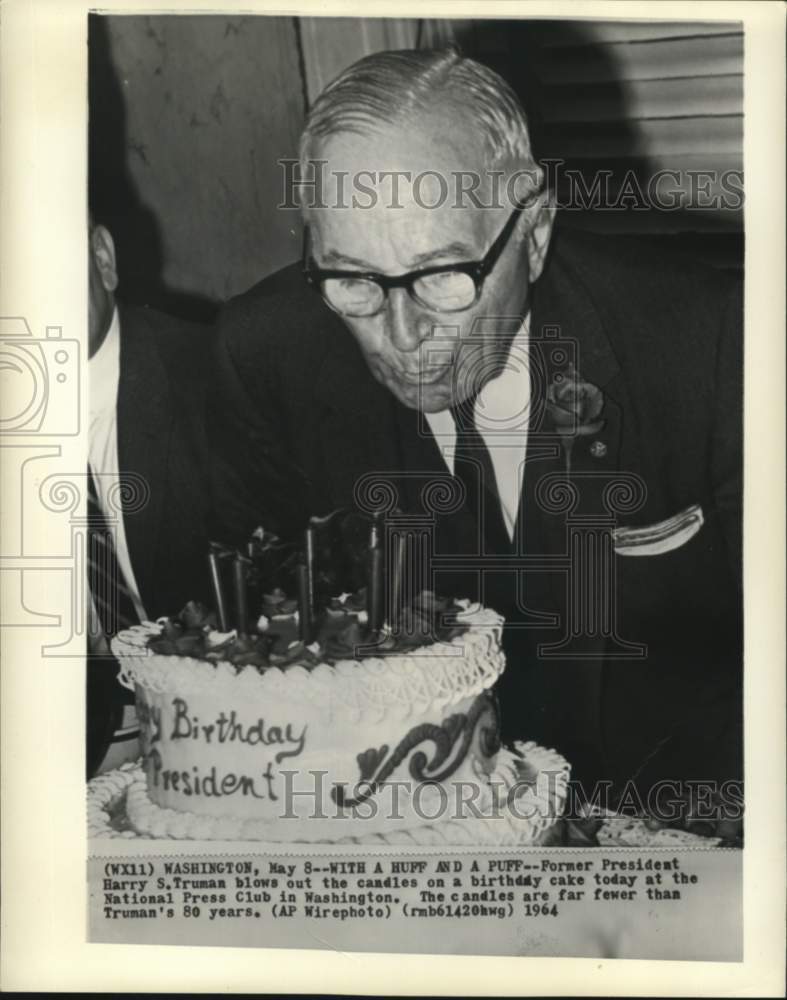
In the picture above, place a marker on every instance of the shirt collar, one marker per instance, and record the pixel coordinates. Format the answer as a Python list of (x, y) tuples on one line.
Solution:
[(503, 403)]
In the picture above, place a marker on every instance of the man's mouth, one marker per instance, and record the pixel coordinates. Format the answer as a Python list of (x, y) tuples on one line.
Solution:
[(428, 377)]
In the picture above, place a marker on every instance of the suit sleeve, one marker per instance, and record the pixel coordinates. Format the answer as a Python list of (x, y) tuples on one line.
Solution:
[(727, 442), (251, 480)]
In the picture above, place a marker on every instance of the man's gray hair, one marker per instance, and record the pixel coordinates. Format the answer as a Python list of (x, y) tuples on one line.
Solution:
[(392, 88)]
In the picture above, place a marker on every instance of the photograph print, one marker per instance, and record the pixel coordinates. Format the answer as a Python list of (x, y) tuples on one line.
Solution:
[(416, 434)]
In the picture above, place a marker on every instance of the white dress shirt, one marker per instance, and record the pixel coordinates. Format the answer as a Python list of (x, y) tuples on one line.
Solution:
[(104, 377), (501, 417)]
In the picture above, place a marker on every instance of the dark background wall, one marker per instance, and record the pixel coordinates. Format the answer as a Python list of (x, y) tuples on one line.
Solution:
[(189, 115)]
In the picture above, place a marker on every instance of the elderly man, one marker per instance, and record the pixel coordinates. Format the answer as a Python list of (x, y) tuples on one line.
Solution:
[(147, 387), (585, 396)]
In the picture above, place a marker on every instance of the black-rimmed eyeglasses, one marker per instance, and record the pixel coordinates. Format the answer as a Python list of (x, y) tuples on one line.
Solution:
[(444, 288)]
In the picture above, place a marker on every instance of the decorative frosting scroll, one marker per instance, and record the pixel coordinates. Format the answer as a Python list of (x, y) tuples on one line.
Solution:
[(451, 742)]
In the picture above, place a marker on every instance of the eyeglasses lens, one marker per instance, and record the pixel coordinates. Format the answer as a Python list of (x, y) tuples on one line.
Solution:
[(447, 291), (353, 296)]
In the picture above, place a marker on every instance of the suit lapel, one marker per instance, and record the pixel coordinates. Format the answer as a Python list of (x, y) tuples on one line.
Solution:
[(565, 328), (145, 424)]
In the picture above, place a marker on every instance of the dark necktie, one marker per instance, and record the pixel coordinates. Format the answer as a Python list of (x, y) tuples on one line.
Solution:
[(473, 468), (112, 599)]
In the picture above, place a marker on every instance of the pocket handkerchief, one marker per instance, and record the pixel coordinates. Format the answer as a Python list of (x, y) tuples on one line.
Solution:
[(664, 536)]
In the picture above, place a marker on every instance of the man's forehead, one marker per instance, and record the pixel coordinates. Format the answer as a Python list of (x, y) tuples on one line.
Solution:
[(400, 195), (433, 141)]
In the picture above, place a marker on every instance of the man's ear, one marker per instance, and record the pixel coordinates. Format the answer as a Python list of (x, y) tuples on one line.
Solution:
[(102, 247), (539, 236)]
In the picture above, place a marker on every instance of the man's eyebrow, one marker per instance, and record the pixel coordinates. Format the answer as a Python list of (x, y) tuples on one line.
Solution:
[(335, 257), (455, 249)]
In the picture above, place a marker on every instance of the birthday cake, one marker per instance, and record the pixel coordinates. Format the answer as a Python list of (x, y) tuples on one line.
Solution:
[(344, 731)]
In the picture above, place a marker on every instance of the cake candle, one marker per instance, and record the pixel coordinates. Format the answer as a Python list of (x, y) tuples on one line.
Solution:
[(375, 582), (397, 580), (240, 566), (309, 550), (214, 554), (304, 603)]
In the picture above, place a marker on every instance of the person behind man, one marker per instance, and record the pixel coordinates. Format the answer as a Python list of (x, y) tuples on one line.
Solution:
[(443, 328), (147, 492)]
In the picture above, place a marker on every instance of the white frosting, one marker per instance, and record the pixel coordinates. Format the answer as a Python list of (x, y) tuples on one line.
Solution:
[(529, 787)]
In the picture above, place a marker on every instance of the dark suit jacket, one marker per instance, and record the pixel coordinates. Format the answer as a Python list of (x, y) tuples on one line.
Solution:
[(161, 419), (298, 419), (164, 364)]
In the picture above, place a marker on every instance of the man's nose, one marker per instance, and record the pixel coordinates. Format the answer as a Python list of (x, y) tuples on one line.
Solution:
[(408, 325)]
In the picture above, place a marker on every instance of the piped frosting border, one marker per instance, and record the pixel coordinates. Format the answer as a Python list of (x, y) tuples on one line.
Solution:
[(368, 689)]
